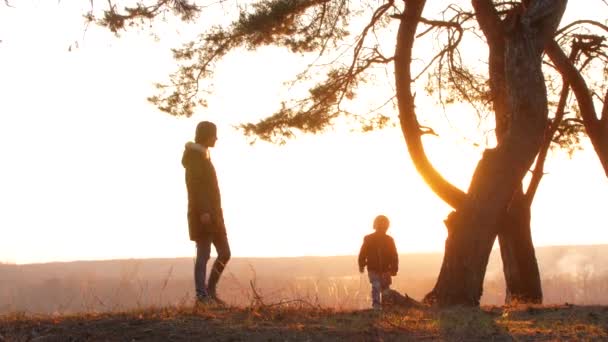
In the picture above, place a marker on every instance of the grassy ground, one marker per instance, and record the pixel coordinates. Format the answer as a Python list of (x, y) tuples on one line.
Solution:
[(285, 323)]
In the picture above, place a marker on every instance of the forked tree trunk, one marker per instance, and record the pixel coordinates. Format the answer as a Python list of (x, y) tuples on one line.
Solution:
[(473, 228)]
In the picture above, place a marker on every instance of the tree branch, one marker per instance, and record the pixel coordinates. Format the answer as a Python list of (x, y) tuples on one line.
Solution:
[(581, 22), (407, 113), (604, 118), (116, 21), (493, 29), (375, 17), (489, 21), (449, 48), (571, 74)]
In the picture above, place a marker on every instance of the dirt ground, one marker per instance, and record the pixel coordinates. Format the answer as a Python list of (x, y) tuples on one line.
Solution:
[(524, 323)]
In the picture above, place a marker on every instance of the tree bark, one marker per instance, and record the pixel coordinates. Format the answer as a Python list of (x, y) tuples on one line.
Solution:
[(520, 266), (517, 251), (472, 229)]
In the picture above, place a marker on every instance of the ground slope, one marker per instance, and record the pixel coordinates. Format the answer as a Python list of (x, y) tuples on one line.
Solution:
[(286, 322)]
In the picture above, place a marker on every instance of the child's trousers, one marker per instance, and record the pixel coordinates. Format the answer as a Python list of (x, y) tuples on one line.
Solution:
[(380, 281)]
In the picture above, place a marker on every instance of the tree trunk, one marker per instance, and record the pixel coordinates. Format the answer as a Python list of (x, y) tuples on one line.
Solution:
[(601, 139), (520, 267), (600, 143), (472, 229)]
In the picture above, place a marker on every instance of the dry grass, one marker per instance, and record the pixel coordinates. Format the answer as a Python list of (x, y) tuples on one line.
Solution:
[(299, 322)]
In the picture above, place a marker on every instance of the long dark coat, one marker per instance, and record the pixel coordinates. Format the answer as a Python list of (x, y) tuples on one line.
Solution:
[(203, 192)]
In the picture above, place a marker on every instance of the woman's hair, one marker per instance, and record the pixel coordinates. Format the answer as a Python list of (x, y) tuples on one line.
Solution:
[(204, 130)]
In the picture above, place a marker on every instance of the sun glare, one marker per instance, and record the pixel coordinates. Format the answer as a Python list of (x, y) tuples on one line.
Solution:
[(92, 171)]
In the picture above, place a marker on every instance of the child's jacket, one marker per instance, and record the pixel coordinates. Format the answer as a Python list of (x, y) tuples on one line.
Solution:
[(379, 254)]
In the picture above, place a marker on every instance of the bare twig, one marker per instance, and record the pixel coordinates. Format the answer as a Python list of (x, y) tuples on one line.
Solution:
[(257, 298)]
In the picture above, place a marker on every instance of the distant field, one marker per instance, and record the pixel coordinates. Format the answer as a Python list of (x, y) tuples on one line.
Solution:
[(573, 274)]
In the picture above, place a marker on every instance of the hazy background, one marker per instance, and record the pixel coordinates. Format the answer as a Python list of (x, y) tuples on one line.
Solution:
[(90, 170), (574, 274)]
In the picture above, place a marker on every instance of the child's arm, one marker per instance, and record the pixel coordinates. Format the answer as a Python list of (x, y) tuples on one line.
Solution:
[(394, 258), (363, 256)]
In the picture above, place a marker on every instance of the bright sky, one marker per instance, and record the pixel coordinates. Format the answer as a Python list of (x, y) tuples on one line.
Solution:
[(90, 170)]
